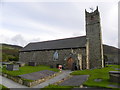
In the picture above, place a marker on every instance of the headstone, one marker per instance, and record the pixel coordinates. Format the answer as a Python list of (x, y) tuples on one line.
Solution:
[(97, 80), (12, 67), (117, 68), (114, 76), (32, 63), (38, 75), (21, 64)]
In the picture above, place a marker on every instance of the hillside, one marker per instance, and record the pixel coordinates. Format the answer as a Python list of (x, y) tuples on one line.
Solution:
[(110, 50), (11, 46), (112, 53), (10, 52)]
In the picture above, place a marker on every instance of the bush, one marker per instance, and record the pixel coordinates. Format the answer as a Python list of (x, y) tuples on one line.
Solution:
[(4, 57), (12, 58)]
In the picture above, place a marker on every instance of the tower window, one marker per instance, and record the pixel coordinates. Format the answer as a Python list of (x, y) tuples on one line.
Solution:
[(92, 17)]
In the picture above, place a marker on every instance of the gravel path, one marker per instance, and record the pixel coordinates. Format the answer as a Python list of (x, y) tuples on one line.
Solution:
[(10, 84)]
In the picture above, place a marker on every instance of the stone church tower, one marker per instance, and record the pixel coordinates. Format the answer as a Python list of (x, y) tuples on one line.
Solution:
[(94, 37)]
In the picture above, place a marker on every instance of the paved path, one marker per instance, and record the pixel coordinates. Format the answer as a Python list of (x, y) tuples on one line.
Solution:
[(53, 80), (9, 83)]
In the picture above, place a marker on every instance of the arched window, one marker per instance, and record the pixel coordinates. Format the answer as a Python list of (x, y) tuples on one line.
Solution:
[(55, 56)]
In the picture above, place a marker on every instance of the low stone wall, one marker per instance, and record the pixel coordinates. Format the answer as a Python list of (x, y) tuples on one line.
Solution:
[(14, 78), (114, 76), (29, 83)]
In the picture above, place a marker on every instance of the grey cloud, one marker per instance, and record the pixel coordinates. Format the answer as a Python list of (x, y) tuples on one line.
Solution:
[(63, 15), (19, 40)]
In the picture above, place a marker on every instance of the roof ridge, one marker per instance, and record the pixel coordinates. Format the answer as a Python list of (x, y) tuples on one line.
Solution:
[(57, 39)]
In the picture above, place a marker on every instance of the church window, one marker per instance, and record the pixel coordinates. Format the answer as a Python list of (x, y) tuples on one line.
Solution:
[(55, 56)]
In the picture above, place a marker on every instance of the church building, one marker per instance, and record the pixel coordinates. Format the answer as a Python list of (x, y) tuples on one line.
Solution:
[(77, 53)]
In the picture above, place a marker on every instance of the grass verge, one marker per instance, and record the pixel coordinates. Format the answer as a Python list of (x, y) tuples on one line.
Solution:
[(98, 74), (28, 69), (2, 87)]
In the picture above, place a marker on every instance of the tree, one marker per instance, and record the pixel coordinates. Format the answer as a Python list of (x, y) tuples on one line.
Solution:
[(4, 57), (12, 58)]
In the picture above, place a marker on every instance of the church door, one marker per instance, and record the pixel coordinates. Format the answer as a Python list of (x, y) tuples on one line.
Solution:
[(70, 62)]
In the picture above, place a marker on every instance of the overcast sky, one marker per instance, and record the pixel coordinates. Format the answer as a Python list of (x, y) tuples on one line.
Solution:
[(28, 21)]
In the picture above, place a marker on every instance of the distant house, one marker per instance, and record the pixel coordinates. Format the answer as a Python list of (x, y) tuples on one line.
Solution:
[(83, 52)]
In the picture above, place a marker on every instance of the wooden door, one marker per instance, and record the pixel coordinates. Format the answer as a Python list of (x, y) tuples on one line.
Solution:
[(70, 62)]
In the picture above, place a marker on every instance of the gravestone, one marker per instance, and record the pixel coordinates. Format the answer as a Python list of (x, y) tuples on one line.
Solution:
[(21, 64), (12, 67), (38, 75), (117, 68), (97, 80), (32, 63), (114, 76)]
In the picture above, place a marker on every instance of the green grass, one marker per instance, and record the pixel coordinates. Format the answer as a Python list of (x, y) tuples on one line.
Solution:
[(28, 69), (51, 87), (114, 66), (27, 80), (98, 74), (2, 87)]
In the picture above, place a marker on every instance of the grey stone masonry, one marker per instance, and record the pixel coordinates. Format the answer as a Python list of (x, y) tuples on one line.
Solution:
[(93, 33), (46, 57)]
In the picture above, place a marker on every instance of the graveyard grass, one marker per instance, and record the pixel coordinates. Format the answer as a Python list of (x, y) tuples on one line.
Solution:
[(98, 74), (2, 87), (28, 69)]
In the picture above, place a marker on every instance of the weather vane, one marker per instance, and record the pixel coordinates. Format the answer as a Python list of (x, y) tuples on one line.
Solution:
[(91, 8)]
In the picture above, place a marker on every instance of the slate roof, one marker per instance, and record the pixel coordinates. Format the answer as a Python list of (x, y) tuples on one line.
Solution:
[(67, 43)]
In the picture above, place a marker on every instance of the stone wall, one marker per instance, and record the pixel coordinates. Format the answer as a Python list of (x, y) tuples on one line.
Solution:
[(46, 57)]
